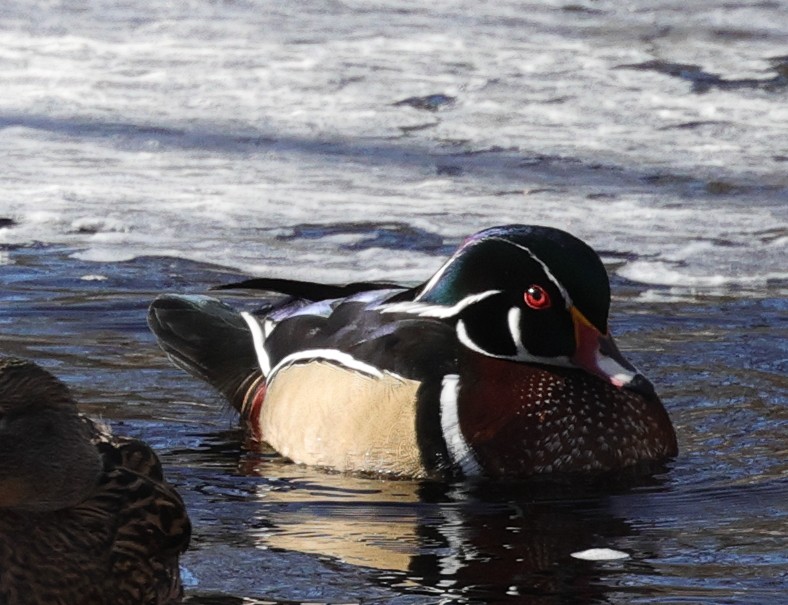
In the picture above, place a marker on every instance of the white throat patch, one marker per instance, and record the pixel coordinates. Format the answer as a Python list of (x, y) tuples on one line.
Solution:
[(522, 353)]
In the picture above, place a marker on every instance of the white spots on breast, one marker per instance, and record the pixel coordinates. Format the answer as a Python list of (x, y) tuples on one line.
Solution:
[(576, 422)]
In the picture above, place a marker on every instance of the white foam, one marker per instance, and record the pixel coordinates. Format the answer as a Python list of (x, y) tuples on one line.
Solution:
[(660, 273), (206, 130)]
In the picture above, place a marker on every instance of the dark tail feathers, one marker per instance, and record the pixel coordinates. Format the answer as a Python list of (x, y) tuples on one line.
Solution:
[(307, 290), (208, 339)]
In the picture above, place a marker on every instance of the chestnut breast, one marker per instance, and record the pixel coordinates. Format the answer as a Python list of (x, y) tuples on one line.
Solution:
[(522, 419)]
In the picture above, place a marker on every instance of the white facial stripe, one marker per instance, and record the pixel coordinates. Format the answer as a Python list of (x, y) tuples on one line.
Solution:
[(547, 272), (560, 360), (435, 278), (338, 357), (439, 311), (464, 338), (258, 339), (616, 373), (513, 319), (458, 448)]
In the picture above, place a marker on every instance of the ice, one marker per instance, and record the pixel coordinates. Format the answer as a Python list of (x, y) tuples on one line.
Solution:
[(600, 554), (203, 130)]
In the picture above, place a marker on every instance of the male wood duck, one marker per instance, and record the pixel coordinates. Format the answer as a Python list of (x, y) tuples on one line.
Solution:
[(500, 365), (86, 518)]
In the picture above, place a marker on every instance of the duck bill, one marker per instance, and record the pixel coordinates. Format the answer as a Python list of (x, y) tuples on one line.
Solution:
[(598, 354)]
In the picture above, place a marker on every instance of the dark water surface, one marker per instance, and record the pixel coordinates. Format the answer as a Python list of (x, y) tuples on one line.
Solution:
[(712, 527)]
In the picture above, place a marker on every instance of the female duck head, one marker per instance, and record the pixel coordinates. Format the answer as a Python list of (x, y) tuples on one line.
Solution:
[(47, 459)]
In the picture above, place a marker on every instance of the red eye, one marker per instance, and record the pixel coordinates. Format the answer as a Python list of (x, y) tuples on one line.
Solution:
[(537, 297)]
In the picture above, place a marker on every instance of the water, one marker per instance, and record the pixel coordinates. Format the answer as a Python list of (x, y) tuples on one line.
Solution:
[(711, 528), (177, 146)]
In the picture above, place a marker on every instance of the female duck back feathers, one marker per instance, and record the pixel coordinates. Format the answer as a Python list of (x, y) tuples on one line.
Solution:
[(86, 518)]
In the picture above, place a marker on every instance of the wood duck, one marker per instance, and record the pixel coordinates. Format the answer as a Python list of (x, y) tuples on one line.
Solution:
[(500, 365), (86, 518)]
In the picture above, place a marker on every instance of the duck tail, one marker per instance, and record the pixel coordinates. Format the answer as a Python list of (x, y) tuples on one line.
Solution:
[(209, 340)]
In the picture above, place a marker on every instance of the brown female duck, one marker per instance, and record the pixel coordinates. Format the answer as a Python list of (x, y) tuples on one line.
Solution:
[(85, 517)]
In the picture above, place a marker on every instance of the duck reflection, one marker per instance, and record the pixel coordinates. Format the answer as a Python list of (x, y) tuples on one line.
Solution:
[(466, 542)]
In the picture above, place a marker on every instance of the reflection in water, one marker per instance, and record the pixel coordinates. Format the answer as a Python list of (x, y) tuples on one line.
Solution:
[(711, 530), (465, 541)]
